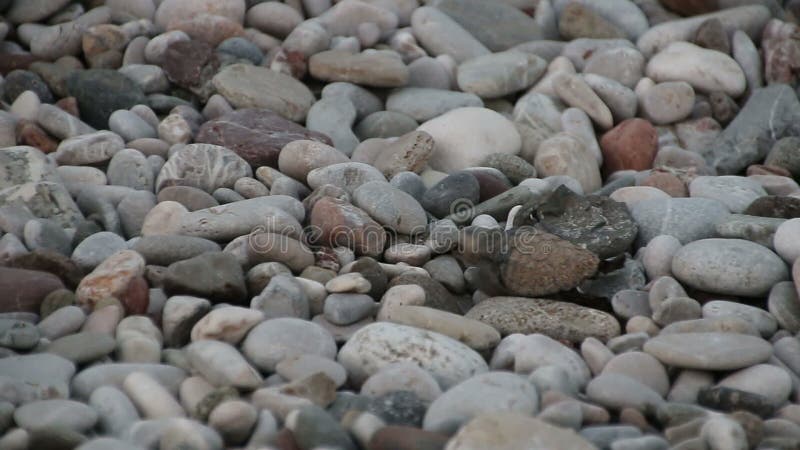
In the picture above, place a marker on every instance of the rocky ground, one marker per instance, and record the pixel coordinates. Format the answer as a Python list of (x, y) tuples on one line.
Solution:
[(399, 224)]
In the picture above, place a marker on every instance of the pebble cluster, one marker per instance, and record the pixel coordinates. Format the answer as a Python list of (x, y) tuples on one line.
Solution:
[(399, 224)]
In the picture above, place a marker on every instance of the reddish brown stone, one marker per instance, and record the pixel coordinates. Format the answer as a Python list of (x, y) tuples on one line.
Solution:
[(668, 183), (284, 440), (24, 290), (70, 105), (764, 169), (257, 135), (491, 184), (406, 438), (190, 63), (113, 279), (28, 133), (10, 62), (295, 61), (52, 262), (209, 28), (631, 145), (691, 7), (339, 224), (136, 298)]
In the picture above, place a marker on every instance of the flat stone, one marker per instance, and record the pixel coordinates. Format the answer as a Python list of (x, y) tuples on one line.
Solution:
[(687, 219), (423, 104), (714, 71), (481, 394), (165, 250), (506, 431), (761, 320), (708, 351), (69, 414), (618, 391), (766, 380), (289, 337), (113, 374), (499, 74), (729, 266), (376, 69), (737, 193), (749, 137), (216, 276), (497, 25), (247, 86), (221, 168), (101, 92), (466, 136), (559, 320), (257, 135), (82, 348), (366, 352), (222, 365)]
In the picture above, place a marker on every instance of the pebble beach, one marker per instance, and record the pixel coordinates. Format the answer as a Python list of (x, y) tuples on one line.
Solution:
[(399, 225)]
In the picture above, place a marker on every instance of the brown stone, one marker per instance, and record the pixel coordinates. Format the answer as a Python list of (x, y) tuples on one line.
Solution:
[(406, 438), (101, 38), (29, 133), (10, 62), (257, 135), (539, 263), (774, 206), (691, 7), (136, 298), (209, 28), (339, 224), (369, 69), (667, 182), (191, 65), (562, 321), (52, 262), (711, 34), (631, 145), (113, 279), (24, 290), (70, 105)]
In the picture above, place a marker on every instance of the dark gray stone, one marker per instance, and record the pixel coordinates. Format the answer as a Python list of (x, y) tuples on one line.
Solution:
[(101, 92), (771, 113)]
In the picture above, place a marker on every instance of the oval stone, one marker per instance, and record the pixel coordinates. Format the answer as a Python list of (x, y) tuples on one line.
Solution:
[(709, 351), (380, 344), (729, 267)]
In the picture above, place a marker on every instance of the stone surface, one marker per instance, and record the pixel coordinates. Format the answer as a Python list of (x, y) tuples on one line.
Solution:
[(729, 266), (247, 86), (559, 320), (256, 135), (708, 351), (380, 344), (506, 431)]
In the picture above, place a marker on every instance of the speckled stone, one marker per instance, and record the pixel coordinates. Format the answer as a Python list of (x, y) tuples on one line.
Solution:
[(559, 320)]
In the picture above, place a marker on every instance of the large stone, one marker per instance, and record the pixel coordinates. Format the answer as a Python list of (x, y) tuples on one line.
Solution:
[(25, 289), (562, 321), (215, 276), (710, 70), (101, 92), (499, 74), (257, 135), (497, 25), (45, 199), (687, 219), (540, 263), (203, 166), (380, 344), (769, 114), (596, 223), (288, 337), (464, 137), (729, 267), (391, 207), (484, 393), (708, 351), (513, 431), (119, 277), (222, 365), (376, 69), (248, 86), (172, 10)]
